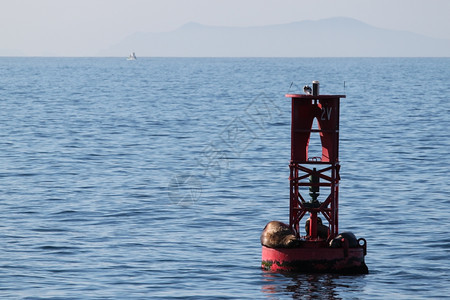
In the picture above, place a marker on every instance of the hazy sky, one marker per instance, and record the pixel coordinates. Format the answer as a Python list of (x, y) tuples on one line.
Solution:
[(84, 27)]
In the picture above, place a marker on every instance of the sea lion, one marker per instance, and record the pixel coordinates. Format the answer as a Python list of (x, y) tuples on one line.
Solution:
[(322, 230), (337, 242), (278, 235)]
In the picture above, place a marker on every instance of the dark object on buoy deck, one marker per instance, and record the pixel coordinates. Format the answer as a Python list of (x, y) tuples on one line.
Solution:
[(322, 230), (315, 88), (322, 249), (342, 238)]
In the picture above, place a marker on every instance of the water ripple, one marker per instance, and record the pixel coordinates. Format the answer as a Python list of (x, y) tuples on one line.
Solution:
[(124, 181)]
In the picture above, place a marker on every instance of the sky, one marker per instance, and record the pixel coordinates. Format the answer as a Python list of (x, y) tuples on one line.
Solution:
[(85, 27)]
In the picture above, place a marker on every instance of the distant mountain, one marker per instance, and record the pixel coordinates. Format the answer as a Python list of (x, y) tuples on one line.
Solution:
[(334, 37)]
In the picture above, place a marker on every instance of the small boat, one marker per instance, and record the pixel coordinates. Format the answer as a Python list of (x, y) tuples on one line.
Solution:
[(132, 56)]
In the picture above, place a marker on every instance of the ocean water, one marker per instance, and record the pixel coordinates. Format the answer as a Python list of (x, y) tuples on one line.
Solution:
[(153, 179)]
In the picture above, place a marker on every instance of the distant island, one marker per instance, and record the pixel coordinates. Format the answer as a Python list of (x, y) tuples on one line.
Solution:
[(333, 37)]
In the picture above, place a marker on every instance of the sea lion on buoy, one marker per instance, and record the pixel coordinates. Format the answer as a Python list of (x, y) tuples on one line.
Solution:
[(322, 230), (278, 235), (338, 242)]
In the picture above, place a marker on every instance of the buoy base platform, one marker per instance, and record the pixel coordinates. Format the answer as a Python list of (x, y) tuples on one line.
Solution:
[(315, 260)]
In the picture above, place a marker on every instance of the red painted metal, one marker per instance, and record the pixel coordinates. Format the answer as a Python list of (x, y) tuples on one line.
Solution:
[(325, 109), (311, 173), (315, 260)]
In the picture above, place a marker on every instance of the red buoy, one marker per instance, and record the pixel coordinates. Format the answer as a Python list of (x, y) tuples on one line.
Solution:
[(322, 248)]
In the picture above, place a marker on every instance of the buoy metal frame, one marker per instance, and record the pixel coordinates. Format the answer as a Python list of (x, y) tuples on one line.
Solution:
[(314, 253), (325, 109)]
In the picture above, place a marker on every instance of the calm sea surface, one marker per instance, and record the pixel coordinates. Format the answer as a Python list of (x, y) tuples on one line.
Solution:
[(153, 179)]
